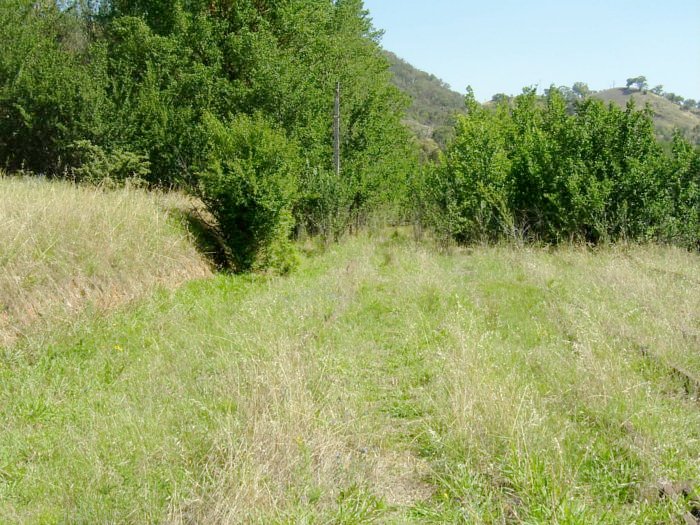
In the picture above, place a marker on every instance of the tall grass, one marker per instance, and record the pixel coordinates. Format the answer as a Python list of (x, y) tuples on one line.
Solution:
[(64, 246), (380, 383), (559, 399)]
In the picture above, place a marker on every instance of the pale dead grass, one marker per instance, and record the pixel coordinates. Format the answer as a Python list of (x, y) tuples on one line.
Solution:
[(64, 246)]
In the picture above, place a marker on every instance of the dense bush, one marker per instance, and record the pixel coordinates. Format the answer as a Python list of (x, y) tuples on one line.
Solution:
[(121, 91), (93, 164), (532, 169), (682, 222), (249, 183), (52, 86)]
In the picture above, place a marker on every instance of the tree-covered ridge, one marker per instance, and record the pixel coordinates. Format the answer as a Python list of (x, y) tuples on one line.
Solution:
[(433, 102), (151, 88)]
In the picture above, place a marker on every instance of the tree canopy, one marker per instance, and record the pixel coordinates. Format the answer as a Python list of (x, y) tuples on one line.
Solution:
[(148, 88), (640, 82)]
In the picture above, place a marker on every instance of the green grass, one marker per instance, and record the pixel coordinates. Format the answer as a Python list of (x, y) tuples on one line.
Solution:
[(381, 383)]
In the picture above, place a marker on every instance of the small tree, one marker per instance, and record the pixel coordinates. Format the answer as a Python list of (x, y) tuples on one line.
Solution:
[(249, 184), (640, 82), (672, 97), (676, 99), (500, 97), (657, 90), (689, 103), (581, 89)]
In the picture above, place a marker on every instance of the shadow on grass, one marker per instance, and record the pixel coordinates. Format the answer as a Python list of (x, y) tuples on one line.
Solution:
[(207, 238)]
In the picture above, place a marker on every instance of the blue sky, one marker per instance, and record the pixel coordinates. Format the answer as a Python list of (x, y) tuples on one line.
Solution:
[(505, 45)]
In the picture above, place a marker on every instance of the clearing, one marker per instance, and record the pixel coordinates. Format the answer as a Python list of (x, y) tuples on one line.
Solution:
[(383, 382)]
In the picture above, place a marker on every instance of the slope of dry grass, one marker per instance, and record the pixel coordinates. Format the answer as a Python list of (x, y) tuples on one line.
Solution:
[(63, 247)]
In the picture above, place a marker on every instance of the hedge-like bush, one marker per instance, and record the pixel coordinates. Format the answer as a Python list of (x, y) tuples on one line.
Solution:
[(249, 183)]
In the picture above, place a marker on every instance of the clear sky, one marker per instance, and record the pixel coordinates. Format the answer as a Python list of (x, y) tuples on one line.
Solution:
[(501, 46)]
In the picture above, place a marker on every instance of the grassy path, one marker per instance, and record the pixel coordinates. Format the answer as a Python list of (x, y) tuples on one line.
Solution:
[(381, 383)]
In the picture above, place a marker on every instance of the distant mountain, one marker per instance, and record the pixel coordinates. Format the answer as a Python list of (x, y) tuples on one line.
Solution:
[(667, 115), (434, 104)]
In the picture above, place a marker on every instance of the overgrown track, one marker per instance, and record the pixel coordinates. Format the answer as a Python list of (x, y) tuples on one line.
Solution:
[(381, 383)]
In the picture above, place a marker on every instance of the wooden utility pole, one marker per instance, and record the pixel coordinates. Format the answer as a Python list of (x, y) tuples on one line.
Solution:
[(336, 131)]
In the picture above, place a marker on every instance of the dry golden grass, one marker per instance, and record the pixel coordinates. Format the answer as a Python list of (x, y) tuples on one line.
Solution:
[(64, 246)]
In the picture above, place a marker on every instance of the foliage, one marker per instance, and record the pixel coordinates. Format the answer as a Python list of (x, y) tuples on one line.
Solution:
[(94, 164), (640, 82), (581, 89), (249, 183), (121, 89), (533, 170), (51, 86), (682, 222)]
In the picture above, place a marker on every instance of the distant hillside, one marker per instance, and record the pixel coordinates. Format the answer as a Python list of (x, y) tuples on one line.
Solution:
[(434, 103), (667, 115)]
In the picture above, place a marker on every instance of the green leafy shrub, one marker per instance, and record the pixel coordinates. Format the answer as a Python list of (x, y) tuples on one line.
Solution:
[(51, 86), (249, 184), (94, 164), (470, 190), (535, 168), (682, 223)]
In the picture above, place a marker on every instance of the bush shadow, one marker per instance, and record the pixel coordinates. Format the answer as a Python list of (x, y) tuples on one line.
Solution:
[(207, 238)]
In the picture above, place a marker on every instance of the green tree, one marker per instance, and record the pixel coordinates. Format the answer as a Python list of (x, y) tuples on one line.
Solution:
[(640, 82), (581, 89), (500, 97), (539, 169), (52, 86)]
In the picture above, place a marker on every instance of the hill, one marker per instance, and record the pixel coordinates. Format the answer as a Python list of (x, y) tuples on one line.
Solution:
[(433, 102), (667, 115), (64, 247), (384, 382)]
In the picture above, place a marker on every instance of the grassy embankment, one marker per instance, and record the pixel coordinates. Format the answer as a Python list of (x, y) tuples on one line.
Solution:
[(64, 248), (381, 382)]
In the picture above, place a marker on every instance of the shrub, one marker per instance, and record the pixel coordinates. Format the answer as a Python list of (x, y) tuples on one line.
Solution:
[(249, 184), (541, 170), (682, 223), (470, 189), (94, 164), (51, 89)]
